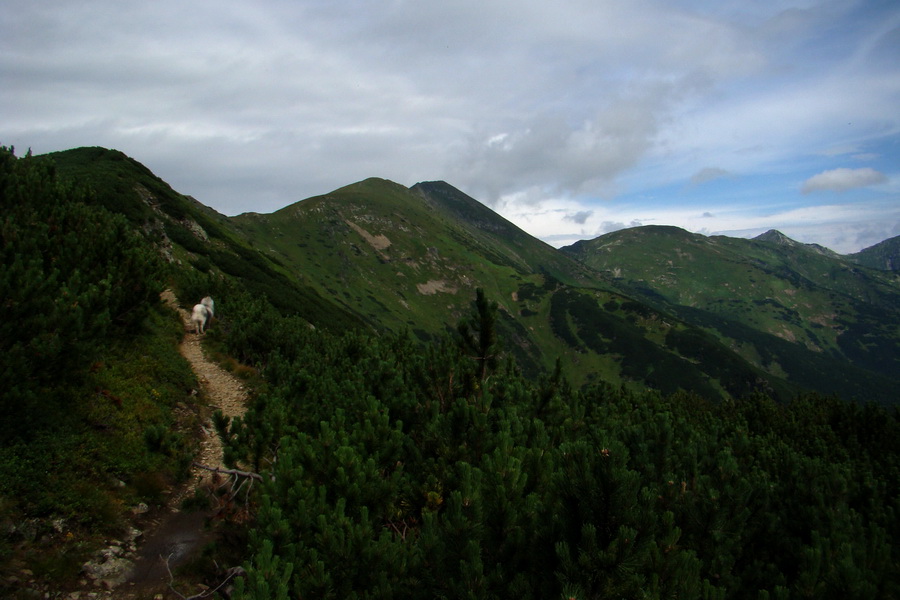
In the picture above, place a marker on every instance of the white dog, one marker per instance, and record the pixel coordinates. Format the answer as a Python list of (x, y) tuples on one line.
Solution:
[(199, 318)]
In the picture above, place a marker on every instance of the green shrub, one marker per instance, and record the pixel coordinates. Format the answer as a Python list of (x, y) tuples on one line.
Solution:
[(74, 276)]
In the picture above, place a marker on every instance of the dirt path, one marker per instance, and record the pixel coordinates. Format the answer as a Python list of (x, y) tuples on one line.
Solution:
[(223, 392), (176, 534)]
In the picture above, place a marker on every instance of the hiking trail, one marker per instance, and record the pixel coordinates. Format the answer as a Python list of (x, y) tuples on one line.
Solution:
[(173, 536)]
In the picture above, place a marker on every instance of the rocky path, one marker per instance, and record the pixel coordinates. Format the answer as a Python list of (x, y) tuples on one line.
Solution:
[(223, 392), (136, 565)]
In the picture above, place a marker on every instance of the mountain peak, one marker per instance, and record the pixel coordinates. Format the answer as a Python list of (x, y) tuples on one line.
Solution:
[(773, 236)]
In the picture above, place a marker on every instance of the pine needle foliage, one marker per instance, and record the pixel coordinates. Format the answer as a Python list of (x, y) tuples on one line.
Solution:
[(73, 276), (397, 472), (89, 370)]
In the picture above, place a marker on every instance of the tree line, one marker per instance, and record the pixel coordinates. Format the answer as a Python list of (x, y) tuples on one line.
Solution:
[(396, 470)]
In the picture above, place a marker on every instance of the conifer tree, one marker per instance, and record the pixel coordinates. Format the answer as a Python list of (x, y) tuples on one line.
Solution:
[(479, 335)]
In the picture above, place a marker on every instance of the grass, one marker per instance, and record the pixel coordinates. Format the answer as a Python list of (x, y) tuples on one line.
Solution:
[(764, 299)]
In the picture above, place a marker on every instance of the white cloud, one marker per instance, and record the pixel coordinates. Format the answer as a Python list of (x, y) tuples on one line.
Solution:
[(536, 108), (843, 179), (550, 156)]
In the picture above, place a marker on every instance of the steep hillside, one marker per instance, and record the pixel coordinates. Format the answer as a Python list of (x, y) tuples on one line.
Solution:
[(381, 252), (884, 256), (411, 259), (793, 309), (96, 409), (399, 263), (378, 255), (206, 253), (504, 240)]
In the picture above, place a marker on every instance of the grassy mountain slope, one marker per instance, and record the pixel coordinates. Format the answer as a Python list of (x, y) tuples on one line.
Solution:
[(503, 240), (380, 251), (393, 258), (796, 310), (193, 236), (884, 256), (379, 255), (412, 259)]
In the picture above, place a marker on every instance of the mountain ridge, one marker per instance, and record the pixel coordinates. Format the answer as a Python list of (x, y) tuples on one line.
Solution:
[(822, 304), (379, 254), (652, 459), (884, 255)]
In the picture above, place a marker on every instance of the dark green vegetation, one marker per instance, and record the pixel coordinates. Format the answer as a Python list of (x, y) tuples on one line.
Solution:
[(390, 471), (192, 235), (796, 310), (451, 407), (728, 316), (89, 370)]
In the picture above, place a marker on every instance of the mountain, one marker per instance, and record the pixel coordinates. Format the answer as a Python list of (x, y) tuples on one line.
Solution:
[(623, 309), (384, 257), (399, 257), (884, 256), (773, 236), (407, 258), (516, 246), (412, 259), (796, 310), (391, 466), (194, 238)]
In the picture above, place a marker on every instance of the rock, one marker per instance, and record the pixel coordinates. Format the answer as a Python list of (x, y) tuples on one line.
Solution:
[(113, 569), (111, 552)]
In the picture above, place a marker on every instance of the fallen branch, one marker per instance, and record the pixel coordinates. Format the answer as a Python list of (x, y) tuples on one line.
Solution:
[(208, 593), (233, 472)]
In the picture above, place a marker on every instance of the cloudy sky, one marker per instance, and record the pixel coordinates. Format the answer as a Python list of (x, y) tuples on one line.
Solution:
[(570, 118)]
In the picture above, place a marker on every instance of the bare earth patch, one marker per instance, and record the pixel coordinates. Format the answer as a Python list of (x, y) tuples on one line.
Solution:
[(378, 242), (434, 286)]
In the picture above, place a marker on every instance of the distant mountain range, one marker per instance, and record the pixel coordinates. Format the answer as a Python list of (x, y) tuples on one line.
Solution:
[(652, 306), (793, 309)]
